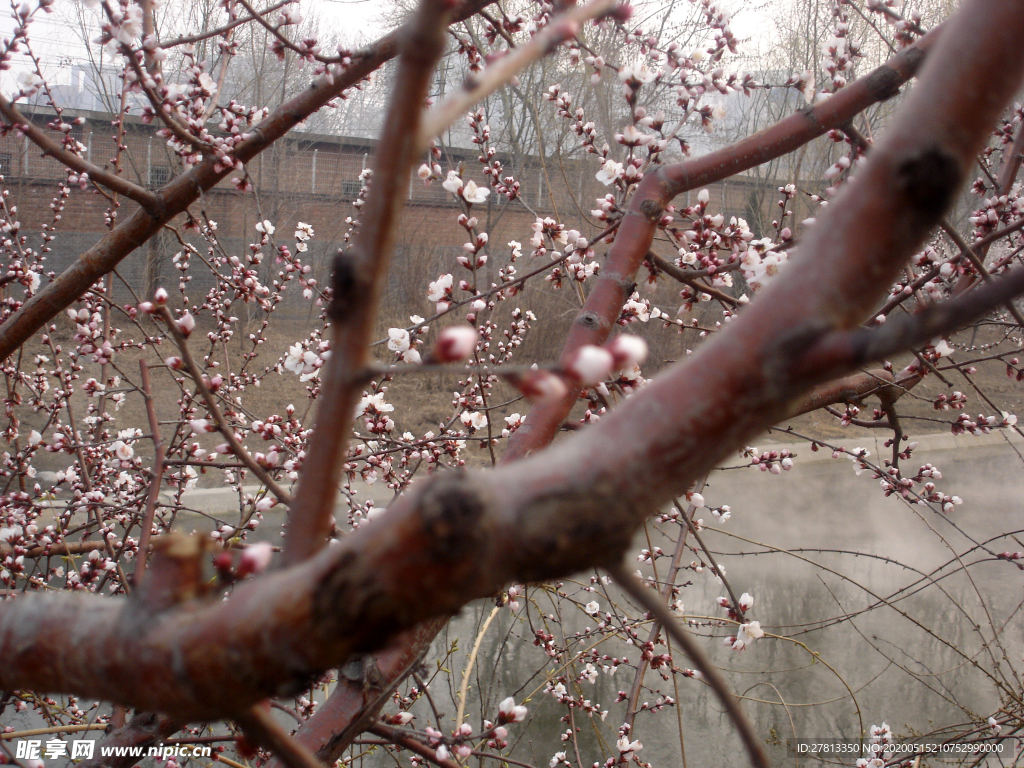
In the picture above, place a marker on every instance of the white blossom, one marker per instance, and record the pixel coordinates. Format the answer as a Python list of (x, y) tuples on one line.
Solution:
[(625, 746), (122, 450), (474, 419), (436, 290), (471, 193), (747, 634), (376, 402), (511, 712), (610, 172), (453, 183), (398, 339)]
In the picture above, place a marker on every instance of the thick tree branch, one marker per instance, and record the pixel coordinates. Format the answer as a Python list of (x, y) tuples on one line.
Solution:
[(909, 331)]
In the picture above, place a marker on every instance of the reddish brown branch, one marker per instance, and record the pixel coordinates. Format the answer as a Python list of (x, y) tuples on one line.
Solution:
[(909, 331), (153, 496), (636, 232), (358, 280), (114, 183), (354, 704), (143, 730), (395, 736), (261, 728)]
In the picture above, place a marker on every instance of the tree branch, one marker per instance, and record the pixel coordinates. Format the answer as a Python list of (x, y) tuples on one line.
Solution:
[(185, 189), (563, 27), (636, 232), (215, 413), (358, 280), (261, 728), (655, 606), (460, 536), (148, 200)]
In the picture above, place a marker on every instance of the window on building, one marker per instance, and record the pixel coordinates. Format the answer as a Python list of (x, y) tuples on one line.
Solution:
[(159, 175)]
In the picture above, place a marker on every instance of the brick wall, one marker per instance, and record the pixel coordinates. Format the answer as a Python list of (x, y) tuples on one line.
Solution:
[(311, 179)]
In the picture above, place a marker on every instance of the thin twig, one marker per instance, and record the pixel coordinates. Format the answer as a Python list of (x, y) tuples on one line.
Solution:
[(158, 473), (649, 601), (968, 251), (215, 413), (563, 27), (114, 183)]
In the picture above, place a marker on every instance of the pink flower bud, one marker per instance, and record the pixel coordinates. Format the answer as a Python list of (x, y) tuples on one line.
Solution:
[(174, 363), (455, 343), (509, 712), (160, 297), (255, 558), (591, 365), (201, 426), (148, 307), (539, 385), (186, 324), (628, 350)]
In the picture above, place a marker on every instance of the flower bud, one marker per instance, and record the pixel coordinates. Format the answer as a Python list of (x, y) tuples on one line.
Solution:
[(455, 343), (591, 365)]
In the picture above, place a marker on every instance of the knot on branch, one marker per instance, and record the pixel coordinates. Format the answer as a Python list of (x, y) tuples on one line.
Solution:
[(175, 572), (928, 180), (652, 210), (885, 82), (588, 319), (346, 287), (451, 512)]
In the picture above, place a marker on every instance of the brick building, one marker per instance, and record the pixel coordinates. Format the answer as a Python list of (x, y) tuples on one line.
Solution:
[(309, 178)]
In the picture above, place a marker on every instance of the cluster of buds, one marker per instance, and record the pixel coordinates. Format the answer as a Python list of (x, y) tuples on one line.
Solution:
[(774, 461)]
